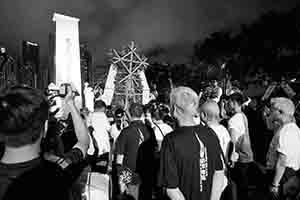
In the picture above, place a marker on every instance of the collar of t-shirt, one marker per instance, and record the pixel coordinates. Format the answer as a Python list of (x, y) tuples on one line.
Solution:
[(190, 127), (136, 122), (99, 114)]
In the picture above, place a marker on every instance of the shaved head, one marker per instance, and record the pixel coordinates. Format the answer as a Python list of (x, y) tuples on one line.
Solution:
[(210, 111)]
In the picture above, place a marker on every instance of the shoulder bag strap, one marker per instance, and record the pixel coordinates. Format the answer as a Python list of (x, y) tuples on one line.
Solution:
[(222, 153), (159, 129)]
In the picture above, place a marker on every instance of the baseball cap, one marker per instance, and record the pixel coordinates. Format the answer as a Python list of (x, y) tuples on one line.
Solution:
[(283, 104)]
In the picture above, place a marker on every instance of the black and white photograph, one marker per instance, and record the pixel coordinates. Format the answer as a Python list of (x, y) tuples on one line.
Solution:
[(150, 100)]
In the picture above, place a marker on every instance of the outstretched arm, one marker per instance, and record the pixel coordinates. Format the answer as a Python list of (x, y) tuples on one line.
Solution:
[(80, 127)]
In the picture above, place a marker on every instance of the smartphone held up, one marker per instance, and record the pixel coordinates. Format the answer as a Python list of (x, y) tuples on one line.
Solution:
[(63, 90)]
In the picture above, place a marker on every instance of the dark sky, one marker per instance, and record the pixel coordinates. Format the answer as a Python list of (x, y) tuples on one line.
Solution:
[(170, 24)]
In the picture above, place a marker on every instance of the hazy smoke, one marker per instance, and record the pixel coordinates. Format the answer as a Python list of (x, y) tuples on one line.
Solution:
[(108, 24)]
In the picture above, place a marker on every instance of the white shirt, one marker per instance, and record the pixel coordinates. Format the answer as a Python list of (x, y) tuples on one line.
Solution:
[(220, 92), (101, 127), (224, 139), (239, 124), (286, 141), (223, 135), (162, 131), (115, 132)]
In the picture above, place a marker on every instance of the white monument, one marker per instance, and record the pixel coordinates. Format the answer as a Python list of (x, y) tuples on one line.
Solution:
[(67, 53)]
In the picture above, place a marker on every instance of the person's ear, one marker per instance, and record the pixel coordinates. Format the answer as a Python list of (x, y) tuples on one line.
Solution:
[(45, 128), (203, 116)]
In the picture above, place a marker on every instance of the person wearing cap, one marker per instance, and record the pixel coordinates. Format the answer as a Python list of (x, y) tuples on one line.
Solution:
[(190, 167), (283, 157)]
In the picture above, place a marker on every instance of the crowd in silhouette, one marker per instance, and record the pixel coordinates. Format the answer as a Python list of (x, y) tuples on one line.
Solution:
[(206, 146)]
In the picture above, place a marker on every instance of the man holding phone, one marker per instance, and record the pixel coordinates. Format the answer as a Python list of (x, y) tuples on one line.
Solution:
[(25, 170)]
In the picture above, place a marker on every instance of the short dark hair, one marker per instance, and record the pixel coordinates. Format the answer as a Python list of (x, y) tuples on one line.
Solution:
[(160, 112), (23, 112), (136, 110), (99, 105), (119, 113), (237, 97)]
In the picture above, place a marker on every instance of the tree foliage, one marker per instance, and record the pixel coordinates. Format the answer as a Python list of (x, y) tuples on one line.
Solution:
[(271, 42)]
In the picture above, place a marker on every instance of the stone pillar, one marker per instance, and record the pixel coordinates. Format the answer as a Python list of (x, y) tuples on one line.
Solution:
[(67, 53)]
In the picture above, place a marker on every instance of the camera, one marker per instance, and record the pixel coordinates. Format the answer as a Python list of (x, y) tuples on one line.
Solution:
[(63, 90)]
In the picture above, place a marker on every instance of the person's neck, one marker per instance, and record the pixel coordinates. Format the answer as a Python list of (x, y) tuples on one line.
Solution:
[(160, 121), (99, 112), (186, 121), (21, 154), (285, 121), (135, 119), (238, 110), (212, 122)]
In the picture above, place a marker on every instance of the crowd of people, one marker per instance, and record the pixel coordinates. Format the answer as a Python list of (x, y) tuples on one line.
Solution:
[(207, 146)]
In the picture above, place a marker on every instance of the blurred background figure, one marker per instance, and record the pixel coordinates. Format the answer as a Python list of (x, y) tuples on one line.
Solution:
[(89, 97)]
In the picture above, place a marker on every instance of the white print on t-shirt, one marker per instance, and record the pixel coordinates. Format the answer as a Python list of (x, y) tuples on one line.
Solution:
[(203, 163), (141, 137)]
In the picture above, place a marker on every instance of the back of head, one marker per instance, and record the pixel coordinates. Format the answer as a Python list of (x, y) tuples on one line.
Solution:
[(237, 97), (185, 99), (214, 82), (23, 112), (284, 105), (119, 113), (136, 110), (100, 106), (160, 112), (211, 110)]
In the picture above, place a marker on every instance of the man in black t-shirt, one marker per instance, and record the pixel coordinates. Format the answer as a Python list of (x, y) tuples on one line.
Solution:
[(128, 144), (191, 166), (25, 172)]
